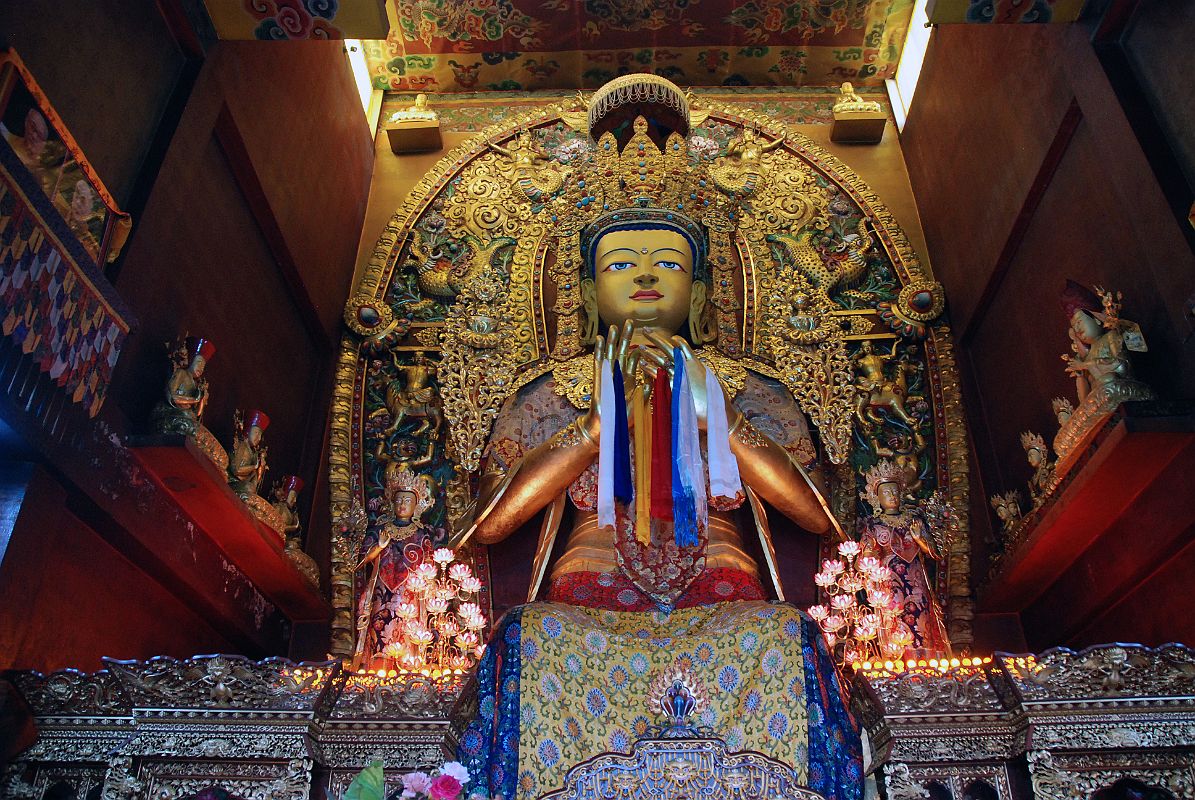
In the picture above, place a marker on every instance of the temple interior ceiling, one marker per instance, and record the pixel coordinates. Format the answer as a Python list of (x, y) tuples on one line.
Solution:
[(444, 45), (495, 45)]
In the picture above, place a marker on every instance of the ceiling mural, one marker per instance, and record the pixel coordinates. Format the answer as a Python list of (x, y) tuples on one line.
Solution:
[(511, 45)]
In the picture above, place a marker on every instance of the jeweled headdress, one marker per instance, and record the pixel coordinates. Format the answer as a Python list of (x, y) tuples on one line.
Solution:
[(1033, 441), (413, 483), (885, 471)]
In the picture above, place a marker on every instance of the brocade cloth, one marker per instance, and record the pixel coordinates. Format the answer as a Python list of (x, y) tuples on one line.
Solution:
[(560, 684)]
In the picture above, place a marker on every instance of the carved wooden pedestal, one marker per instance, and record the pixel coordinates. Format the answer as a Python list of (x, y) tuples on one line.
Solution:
[(1051, 727)]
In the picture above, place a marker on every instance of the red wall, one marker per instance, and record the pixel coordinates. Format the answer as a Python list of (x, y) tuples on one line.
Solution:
[(73, 590), (248, 238), (1026, 173)]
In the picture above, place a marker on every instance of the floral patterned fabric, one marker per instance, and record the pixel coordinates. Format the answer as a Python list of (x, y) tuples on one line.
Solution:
[(894, 541), (613, 591), (560, 684)]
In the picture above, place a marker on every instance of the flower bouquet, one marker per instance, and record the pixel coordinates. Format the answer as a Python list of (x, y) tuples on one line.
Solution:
[(447, 783)]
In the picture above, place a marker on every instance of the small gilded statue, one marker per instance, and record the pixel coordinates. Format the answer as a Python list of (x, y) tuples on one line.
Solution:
[(849, 100), (412, 499), (419, 110), (286, 498), (1063, 409), (1100, 345), (1042, 482), (181, 412), (247, 466), (898, 534), (878, 391), (1008, 509)]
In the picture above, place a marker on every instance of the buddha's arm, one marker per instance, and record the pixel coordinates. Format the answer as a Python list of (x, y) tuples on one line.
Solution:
[(507, 501), (768, 469)]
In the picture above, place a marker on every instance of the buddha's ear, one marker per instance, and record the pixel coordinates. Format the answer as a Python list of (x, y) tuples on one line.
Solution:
[(701, 330), (589, 306)]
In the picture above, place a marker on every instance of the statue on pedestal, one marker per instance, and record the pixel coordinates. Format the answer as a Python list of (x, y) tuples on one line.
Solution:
[(286, 498), (641, 453), (247, 466), (1008, 509), (1042, 482), (898, 534), (377, 623), (1100, 345), (181, 412)]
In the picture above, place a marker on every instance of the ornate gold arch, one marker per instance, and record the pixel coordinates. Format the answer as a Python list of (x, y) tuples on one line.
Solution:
[(371, 320)]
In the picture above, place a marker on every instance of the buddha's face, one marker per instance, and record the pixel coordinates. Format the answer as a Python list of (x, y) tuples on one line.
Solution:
[(1085, 327), (1034, 457), (645, 276), (889, 495), (404, 506), (197, 366)]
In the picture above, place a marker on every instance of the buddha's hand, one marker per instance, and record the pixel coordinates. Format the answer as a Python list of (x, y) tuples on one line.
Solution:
[(664, 358), (616, 347)]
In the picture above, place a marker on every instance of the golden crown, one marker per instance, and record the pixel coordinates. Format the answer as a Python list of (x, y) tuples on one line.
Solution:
[(1033, 441), (885, 471)]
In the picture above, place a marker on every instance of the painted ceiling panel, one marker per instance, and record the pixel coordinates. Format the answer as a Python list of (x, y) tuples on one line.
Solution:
[(450, 45)]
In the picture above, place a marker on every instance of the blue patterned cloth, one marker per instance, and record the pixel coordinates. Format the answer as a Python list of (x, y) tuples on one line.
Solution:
[(490, 744), (835, 748)]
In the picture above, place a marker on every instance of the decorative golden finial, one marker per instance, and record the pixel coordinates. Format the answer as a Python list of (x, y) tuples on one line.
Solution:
[(849, 100)]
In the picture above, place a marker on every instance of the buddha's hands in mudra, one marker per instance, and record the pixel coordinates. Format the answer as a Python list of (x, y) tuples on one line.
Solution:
[(662, 356), (614, 348)]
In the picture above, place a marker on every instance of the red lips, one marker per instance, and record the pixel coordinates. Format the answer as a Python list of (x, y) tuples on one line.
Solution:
[(646, 294)]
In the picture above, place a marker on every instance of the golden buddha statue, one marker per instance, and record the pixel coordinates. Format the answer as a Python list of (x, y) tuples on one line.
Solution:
[(1099, 362), (181, 411), (247, 466), (623, 311), (636, 574), (286, 498), (622, 584)]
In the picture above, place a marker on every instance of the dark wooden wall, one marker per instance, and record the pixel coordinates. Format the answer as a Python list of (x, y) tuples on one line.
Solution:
[(1027, 172), (252, 212), (109, 69)]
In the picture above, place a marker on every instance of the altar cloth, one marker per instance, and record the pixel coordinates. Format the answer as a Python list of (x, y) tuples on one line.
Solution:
[(560, 684)]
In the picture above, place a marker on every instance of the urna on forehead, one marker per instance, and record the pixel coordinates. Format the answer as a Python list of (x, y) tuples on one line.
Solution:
[(643, 219)]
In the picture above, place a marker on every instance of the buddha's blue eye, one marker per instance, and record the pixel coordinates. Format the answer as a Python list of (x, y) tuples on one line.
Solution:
[(619, 265), (675, 265)]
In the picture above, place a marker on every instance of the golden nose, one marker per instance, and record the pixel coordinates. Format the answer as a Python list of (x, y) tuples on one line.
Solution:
[(646, 278)]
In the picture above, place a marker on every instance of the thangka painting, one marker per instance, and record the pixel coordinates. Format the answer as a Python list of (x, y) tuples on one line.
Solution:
[(58, 227), (474, 292)]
